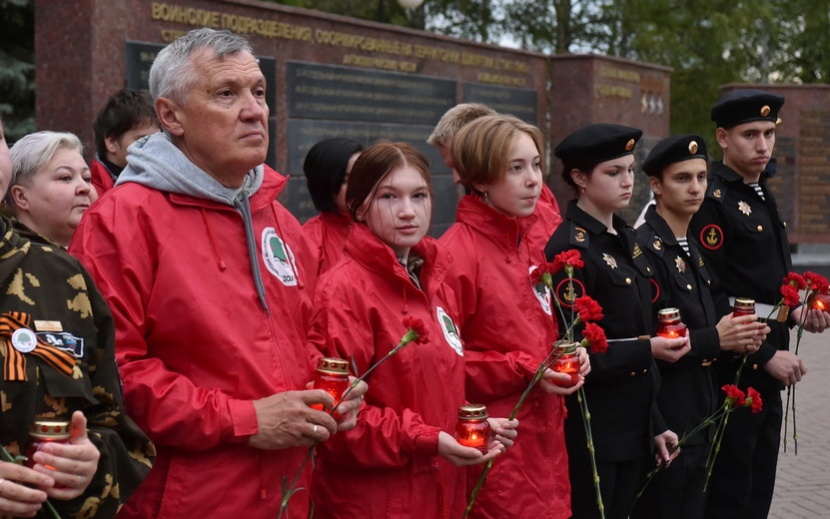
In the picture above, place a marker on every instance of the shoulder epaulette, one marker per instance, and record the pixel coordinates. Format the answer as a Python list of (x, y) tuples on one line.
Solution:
[(655, 244), (717, 189), (579, 236)]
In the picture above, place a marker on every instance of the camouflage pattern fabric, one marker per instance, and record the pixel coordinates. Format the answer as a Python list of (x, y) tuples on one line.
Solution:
[(66, 311)]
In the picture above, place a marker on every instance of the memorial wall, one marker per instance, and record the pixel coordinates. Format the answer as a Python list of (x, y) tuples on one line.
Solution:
[(335, 76), (328, 75)]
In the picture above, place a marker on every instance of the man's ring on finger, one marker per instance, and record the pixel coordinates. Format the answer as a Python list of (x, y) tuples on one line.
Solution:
[(2, 480), (314, 430)]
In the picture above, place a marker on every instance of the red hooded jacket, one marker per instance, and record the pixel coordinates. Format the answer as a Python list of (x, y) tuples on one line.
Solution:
[(388, 466), (508, 329), (329, 232), (101, 178), (195, 345)]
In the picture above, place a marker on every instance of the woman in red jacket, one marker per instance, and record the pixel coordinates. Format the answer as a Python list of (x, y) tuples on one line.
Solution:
[(507, 324), (327, 166), (400, 461)]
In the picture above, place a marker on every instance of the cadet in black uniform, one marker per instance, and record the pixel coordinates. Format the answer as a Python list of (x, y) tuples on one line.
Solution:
[(744, 241), (677, 170), (620, 391)]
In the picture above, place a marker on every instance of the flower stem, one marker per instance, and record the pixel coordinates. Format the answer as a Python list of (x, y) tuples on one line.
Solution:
[(292, 489), (714, 450), (537, 376), (288, 492), (706, 423), (586, 421)]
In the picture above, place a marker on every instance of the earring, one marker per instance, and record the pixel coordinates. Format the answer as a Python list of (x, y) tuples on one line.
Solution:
[(485, 197), (582, 190)]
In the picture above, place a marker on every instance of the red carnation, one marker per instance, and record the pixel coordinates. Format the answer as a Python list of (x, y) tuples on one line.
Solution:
[(795, 280), (754, 399), (571, 258), (595, 336), (816, 282), (791, 295), (416, 326), (734, 396), (588, 309)]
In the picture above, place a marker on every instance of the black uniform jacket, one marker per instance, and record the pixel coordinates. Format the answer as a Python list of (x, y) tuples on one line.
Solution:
[(620, 389), (688, 393), (744, 241)]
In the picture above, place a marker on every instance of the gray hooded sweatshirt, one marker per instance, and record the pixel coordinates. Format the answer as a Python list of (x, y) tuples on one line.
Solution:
[(156, 163)]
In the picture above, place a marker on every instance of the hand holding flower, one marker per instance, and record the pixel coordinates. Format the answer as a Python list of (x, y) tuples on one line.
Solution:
[(814, 320), (785, 367), (350, 404), (666, 444), (504, 430)]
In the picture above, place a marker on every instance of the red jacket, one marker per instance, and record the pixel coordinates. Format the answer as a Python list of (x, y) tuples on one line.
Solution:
[(195, 345), (388, 466), (101, 177), (329, 232), (548, 219), (508, 329)]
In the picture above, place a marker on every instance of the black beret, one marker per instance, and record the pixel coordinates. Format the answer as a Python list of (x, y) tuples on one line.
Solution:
[(597, 143), (744, 106), (674, 149)]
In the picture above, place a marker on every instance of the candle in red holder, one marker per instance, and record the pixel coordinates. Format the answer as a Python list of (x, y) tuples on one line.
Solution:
[(743, 306), (821, 302), (669, 324), (332, 376), (567, 362), (43, 432), (472, 429)]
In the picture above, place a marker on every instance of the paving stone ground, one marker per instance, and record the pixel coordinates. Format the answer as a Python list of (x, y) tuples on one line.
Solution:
[(802, 489)]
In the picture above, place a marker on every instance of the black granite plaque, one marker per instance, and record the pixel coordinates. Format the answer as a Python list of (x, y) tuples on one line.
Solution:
[(140, 58), (304, 133), (515, 101), (348, 94)]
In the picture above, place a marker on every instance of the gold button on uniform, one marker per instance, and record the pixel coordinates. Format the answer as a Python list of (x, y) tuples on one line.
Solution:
[(627, 281), (688, 287), (645, 371), (632, 374), (760, 228), (755, 367)]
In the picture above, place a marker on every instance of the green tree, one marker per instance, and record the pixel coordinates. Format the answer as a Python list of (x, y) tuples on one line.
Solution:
[(17, 69)]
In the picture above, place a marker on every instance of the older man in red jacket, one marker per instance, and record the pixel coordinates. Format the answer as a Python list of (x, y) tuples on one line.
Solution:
[(210, 281)]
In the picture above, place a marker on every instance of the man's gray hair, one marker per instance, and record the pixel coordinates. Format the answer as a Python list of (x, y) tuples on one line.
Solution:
[(33, 152), (172, 72)]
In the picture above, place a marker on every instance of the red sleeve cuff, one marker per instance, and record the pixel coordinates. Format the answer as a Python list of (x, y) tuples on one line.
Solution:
[(243, 420), (427, 441)]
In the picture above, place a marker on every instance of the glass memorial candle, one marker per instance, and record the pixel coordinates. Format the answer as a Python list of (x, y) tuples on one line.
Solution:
[(332, 376), (472, 429), (821, 302), (669, 324), (567, 362), (743, 306), (45, 432)]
